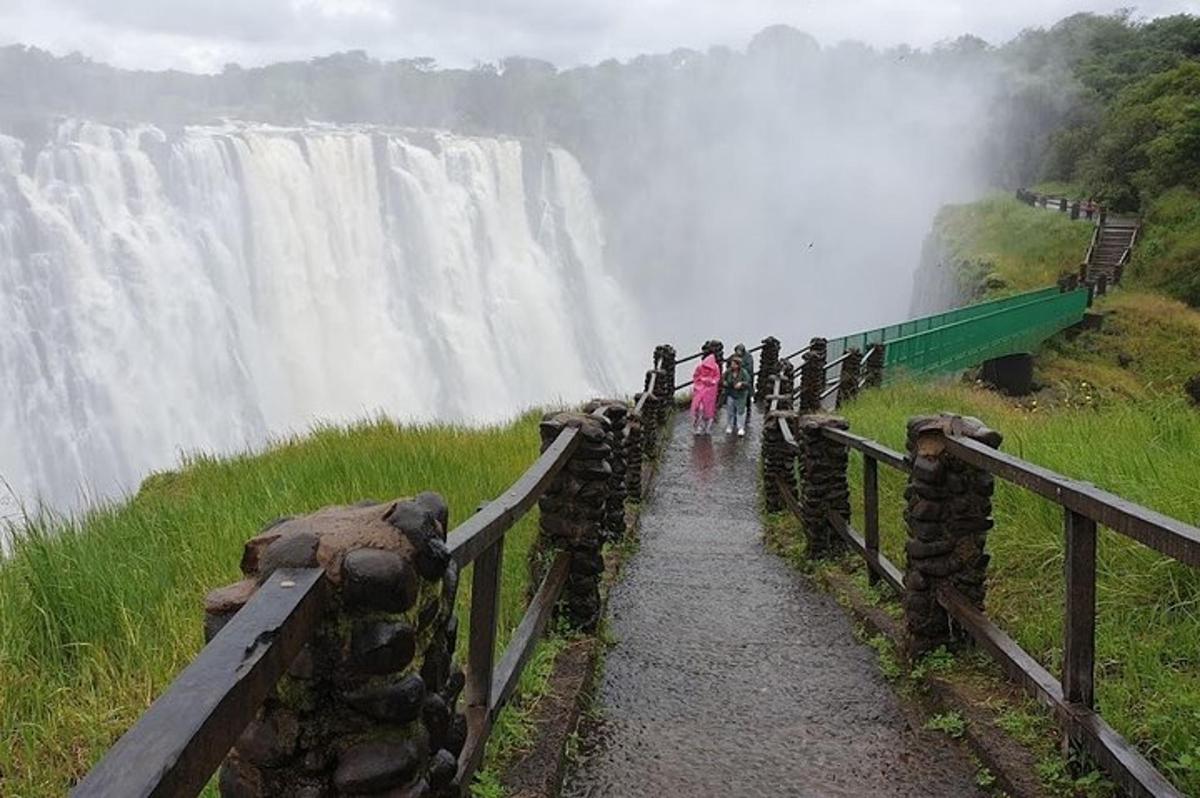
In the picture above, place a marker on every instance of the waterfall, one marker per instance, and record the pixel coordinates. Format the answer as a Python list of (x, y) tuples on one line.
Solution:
[(206, 288)]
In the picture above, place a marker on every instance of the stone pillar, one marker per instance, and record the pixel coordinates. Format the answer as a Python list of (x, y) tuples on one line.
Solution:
[(778, 459), (873, 367), (1101, 284), (848, 379), (664, 356), (812, 376), (949, 514), (367, 707), (1118, 273), (615, 411), (823, 485), (787, 380), (1062, 204), (768, 366), (573, 512), (1074, 210), (634, 454), (1083, 270)]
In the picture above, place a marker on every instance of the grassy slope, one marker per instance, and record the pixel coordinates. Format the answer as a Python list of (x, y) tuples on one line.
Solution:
[(96, 619), (1115, 417), (1024, 247)]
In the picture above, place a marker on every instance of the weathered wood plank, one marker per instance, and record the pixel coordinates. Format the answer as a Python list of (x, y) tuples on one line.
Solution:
[(487, 526), (871, 512), (180, 741), (883, 454), (876, 562), (528, 632), (485, 611), (1079, 627), (1120, 760), (1160, 532), (640, 406)]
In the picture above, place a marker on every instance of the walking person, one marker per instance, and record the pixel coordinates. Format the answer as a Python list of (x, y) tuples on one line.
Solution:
[(705, 380), (736, 385), (748, 365)]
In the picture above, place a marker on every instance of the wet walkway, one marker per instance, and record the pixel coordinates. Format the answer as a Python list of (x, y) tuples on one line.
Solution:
[(731, 676)]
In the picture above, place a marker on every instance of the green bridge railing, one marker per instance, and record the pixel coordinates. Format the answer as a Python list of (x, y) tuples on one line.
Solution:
[(967, 336)]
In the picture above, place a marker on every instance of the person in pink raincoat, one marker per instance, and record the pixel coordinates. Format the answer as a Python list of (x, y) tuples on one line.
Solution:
[(705, 380)]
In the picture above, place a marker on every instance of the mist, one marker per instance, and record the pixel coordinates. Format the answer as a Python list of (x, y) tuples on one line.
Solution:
[(201, 262)]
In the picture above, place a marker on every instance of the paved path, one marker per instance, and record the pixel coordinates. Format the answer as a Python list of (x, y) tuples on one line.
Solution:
[(731, 676)]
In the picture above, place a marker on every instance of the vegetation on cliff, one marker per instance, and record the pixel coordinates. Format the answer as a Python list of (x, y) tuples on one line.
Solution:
[(98, 615)]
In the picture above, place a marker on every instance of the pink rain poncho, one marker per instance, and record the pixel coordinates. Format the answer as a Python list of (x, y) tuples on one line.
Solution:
[(705, 379)]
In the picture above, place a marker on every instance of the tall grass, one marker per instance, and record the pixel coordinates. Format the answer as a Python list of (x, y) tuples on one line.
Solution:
[(1148, 630), (98, 615)]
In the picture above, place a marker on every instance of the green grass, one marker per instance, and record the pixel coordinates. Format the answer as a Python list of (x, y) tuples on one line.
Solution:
[(1008, 245), (97, 616), (1148, 628), (1167, 257)]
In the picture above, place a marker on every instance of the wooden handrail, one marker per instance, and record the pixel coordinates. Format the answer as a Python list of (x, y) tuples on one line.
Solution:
[(472, 537), (1118, 758), (1084, 507), (1162, 533), (838, 360), (796, 354), (179, 742)]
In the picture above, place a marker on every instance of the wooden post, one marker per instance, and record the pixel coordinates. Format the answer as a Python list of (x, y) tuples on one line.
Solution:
[(485, 609), (871, 514), (1079, 629)]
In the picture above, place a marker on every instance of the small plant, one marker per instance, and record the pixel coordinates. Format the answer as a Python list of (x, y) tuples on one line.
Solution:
[(985, 778), (940, 660), (951, 723), (889, 664)]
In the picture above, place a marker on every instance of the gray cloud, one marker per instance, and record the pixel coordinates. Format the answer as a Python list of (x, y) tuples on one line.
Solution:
[(201, 35)]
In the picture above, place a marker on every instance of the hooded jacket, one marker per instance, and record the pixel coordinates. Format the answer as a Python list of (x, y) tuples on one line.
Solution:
[(705, 380)]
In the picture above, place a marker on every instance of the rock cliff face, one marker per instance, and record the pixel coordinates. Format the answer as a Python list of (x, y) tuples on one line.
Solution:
[(939, 283)]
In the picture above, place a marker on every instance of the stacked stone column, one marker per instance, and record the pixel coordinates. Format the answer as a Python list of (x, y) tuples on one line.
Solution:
[(823, 486), (367, 707), (664, 356), (768, 366), (873, 367), (787, 379), (616, 412), (812, 376), (949, 513), (849, 376), (778, 458), (634, 454), (573, 512)]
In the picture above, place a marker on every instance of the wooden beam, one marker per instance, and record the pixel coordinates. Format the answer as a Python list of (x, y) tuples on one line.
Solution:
[(1160, 532), (888, 457), (483, 529), (485, 611), (876, 562), (180, 741), (1120, 760), (528, 632), (1079, 627), (871, 512)]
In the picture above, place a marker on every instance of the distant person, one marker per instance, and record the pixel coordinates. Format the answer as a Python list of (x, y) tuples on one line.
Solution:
[(1089, 208), (705, 381), (736, 385), (748, 365)]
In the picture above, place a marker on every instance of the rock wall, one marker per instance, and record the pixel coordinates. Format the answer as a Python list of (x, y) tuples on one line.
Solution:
[(367, 707)]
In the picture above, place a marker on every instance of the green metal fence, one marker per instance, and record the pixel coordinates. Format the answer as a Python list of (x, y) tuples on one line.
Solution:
[(967, 336), (1002, 331)]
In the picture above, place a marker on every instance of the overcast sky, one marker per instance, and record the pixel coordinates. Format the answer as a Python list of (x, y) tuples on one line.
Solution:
[(202, 35)]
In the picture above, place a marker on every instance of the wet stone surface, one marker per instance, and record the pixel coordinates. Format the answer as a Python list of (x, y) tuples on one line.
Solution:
[(730, 674)]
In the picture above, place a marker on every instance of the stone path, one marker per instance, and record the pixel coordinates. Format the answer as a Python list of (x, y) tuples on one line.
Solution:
[(731, 675)]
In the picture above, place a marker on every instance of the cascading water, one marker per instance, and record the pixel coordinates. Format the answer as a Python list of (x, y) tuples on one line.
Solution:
[(205, 289)]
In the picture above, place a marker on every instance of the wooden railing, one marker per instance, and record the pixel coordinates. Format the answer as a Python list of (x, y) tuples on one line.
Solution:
[(182, 738), (1084, 507)]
